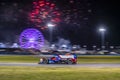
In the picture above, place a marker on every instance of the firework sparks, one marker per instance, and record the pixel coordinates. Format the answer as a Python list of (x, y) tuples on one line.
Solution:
[(44, 12)]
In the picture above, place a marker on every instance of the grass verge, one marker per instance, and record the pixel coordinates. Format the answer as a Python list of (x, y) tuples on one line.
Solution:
[(81, 59), (19, 58), (99, 59), (61, 73)]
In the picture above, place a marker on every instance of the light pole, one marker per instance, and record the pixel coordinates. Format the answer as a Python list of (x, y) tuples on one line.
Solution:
[(94, 47), (102, 31), (50, 27)]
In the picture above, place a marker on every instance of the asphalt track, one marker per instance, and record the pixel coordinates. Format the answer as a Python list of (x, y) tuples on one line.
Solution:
[(62, 65)]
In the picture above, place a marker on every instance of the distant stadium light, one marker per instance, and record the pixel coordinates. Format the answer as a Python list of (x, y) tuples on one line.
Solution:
[(50, 25), (102, 29)]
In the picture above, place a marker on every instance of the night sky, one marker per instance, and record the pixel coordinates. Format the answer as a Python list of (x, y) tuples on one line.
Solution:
[(80, 20)]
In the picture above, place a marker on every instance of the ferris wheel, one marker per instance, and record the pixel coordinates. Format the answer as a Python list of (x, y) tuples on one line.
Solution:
[(31, 38)]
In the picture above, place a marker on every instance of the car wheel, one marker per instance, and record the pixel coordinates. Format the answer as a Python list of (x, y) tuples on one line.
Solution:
[(69, 61), (45, 61)]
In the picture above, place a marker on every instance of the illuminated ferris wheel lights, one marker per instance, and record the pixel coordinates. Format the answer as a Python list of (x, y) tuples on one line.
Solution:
[(31, 40)]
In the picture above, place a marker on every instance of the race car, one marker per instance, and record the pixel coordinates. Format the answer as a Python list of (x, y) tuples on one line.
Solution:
[(59, 59)]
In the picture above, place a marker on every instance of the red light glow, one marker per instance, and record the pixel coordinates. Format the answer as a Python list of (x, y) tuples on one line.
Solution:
[(44, 12)]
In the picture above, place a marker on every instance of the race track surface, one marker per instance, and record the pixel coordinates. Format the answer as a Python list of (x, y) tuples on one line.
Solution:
[(61, 65)]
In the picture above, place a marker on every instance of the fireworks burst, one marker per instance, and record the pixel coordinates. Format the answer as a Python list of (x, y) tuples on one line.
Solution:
[(76, 12), (44, 12)]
